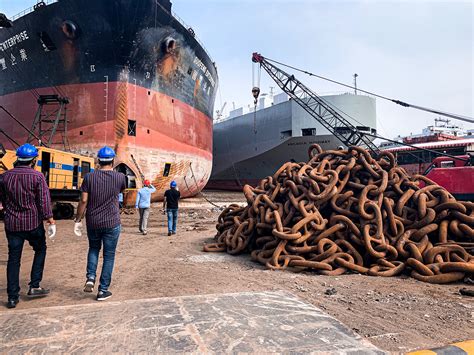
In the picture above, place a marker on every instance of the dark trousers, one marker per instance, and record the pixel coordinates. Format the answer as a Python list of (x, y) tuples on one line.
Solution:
[(37, 240), (108, 237), (172, 219)]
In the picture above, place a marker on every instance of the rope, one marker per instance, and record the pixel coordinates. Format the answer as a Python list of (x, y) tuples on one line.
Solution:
[(368, 134), (398, 102), (200, 192)]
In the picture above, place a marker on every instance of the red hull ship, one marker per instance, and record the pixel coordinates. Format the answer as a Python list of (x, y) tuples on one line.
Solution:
[(143, 85)]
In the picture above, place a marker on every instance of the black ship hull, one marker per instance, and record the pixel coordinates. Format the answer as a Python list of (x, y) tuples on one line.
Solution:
[(119, 62)]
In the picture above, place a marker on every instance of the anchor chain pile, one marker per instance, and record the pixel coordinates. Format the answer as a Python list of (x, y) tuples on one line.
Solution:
[(344, 211)]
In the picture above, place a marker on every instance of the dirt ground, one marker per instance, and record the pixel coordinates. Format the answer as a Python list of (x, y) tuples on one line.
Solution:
[(396, 314)]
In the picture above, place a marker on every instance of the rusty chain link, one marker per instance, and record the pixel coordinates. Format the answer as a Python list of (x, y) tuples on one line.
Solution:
[(344, 211)]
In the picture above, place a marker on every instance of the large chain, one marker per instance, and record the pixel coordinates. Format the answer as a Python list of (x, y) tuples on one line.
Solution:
[(344, 211)]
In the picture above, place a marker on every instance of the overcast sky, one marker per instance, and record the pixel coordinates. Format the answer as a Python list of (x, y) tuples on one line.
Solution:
[(420, 52)]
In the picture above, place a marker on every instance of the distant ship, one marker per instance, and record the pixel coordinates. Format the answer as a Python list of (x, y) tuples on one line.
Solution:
[(442, 130), (136, 78), (248, 147), (442, 137)]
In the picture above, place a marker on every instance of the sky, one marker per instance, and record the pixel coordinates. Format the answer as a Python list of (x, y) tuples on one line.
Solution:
[(417, 51)]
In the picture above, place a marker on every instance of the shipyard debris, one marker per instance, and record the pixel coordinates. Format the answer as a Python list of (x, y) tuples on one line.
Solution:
[(344, 211)]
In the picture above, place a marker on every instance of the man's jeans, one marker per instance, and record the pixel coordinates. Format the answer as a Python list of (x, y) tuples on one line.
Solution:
[(172, 219), (109, 237), (37, 240), (144, 214)]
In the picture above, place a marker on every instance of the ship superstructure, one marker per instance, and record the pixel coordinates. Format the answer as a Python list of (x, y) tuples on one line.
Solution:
[(250, 146)]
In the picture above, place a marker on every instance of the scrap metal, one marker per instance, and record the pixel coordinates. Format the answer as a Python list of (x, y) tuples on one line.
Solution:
[(345, 211)]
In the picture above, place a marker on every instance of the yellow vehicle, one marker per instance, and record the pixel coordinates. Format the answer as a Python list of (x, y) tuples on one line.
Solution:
[(63, 171)]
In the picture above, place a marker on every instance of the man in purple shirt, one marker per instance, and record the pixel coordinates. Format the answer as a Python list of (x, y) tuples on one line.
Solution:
[(99, 200), (26, 201)]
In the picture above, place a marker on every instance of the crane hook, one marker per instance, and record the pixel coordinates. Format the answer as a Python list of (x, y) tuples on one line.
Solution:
[(255, 93)]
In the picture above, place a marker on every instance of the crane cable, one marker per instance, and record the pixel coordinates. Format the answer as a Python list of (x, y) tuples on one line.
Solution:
[(365, 133), (349, 117), (398, 102)]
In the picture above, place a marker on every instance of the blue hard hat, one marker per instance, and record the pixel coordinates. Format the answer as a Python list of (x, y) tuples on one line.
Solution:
[(173, 183), (26, 152), (106, 154)]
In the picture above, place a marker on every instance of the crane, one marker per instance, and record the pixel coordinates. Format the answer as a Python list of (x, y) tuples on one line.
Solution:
[(318, 108)]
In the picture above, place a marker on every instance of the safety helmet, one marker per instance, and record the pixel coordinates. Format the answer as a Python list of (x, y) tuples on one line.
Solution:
[(106, 154), (26, 152), (173, 184), (146, 182)]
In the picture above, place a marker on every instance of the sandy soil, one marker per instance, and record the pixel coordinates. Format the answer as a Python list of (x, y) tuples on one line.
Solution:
[(396, 314)]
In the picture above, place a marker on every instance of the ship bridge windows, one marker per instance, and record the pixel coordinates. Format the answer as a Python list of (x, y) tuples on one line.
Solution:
[(308, 132), (132, 128), (342, 130)]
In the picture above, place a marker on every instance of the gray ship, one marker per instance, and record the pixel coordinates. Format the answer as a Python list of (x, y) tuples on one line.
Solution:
[(248, 147)]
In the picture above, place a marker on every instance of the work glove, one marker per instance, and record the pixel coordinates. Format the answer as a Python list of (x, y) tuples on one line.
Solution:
[(78, 229), (51, 231)]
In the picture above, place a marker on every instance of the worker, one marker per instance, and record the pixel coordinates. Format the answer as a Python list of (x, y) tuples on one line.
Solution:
[(170, 205), (120, 198), (99, 191), (26, 201), (143, 203)]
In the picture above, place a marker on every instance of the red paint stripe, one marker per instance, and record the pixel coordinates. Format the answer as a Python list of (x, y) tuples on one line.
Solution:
[(172, 124)]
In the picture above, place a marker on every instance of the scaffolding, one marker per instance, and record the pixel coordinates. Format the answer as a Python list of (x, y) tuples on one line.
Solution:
[(51, 122)]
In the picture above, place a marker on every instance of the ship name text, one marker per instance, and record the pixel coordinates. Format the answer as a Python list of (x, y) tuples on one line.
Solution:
[(14, 40), (206, 71)]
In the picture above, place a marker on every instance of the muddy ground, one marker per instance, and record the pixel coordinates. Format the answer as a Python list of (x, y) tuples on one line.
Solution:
[(395, 314)]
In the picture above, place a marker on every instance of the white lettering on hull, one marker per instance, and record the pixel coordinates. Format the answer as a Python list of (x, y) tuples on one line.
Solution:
[(13, 41), (205, 71)]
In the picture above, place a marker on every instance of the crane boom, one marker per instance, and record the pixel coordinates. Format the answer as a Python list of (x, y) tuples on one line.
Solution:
[(318, 108)]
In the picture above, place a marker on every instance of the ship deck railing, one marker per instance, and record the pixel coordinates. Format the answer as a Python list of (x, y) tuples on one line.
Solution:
[(31, 9), (180, 20), (185, 25)]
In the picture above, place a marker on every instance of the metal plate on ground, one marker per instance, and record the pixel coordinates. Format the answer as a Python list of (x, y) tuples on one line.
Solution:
[(227, 323)]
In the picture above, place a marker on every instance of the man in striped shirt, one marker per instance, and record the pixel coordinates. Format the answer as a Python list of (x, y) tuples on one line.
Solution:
[(99, 200), (26, 201)]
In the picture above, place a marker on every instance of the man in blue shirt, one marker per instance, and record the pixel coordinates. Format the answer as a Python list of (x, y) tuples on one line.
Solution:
[(143, 204), (120, 197)]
